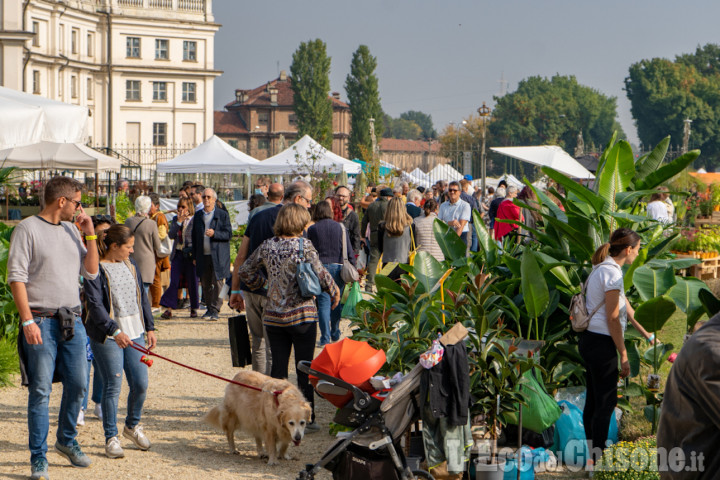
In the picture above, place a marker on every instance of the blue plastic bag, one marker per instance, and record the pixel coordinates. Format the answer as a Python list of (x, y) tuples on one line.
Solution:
[(527, 467), (570, 443)]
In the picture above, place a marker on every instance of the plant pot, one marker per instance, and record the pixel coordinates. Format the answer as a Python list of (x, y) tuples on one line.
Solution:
[(489, 471)]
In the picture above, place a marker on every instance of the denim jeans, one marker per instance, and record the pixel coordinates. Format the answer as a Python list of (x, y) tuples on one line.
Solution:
[(70, 359), (112, 361), (330, 319), (96, 388)]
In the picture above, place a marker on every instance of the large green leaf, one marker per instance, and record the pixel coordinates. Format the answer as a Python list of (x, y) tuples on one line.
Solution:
[(450, 243), (668, 171), (649, 163), (686, 292), (657, 354), (653, 314), (710, 302), (603, 157), (651, 283), (427, 270), (559, 271), (630, 273), (617, 173), (534, 287), (633, 357), (652, 414), (597, 202)]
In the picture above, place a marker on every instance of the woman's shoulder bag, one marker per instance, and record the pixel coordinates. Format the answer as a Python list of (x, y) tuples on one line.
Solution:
[(348, 273), (308, 282), (579, 316)]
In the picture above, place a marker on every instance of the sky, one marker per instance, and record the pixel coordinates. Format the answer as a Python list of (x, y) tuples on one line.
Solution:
[(446, 57)]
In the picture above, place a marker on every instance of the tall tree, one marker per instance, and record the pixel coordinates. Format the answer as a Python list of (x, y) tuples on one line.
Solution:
[(361, 86), (553, 111), (664, 93), (423, 120), (310, 82)]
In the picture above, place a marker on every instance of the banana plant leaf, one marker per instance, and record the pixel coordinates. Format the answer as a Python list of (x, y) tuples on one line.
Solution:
[(603, 157), (650, 162), (617, 173), (534, 287), (667, 171), (558, 269), (450, 243), (598, 203), (654, 313), (686, 292), (658, 354), (484, 240), (674, 263), (652, 414), (626, 199), (633, 357), (651, 283), (630, 273), (633, 390), (710, 302)]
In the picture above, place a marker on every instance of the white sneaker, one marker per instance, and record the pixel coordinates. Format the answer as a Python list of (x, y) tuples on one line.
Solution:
[(81, 417), (113, 448), (98, 411), (137, 436)]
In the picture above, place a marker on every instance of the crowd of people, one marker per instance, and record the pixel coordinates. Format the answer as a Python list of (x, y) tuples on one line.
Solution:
[(131, 271)]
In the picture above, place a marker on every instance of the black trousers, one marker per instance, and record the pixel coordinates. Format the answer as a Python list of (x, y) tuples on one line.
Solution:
[(601, 375), (301, 338)]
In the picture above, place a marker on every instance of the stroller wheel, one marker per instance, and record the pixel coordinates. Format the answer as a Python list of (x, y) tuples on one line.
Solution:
[(422, 475)]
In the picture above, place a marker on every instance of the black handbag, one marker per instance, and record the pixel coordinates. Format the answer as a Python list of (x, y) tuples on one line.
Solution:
[(308, 282), (240, 350)]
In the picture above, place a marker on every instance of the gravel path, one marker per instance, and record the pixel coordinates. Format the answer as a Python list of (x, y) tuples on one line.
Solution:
[(183, 447)]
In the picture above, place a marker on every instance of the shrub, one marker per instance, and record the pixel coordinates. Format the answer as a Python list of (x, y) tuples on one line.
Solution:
[(629, 461), (9, 363)]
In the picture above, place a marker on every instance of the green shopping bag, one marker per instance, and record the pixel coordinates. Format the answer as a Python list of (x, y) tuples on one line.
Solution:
[(353, 297), (541, 410)]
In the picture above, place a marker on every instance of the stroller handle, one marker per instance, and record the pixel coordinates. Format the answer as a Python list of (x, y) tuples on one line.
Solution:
[(361, 399)]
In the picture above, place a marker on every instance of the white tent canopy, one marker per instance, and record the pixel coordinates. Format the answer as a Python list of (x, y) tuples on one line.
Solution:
[(305, 156), (444, 172), (58, 156), (547, 156), (29, 119), (417, 173), (212, 156)]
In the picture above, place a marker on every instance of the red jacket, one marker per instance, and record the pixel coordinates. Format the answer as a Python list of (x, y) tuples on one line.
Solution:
[(506, 211)]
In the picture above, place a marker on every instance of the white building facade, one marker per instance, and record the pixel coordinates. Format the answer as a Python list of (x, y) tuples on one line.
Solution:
[(144, 68)]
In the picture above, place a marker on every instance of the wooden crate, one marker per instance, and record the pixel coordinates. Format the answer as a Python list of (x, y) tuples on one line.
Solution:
[(707, 269)]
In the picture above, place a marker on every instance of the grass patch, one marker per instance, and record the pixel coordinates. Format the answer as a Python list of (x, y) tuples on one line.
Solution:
[(9, 362), (633, 424)]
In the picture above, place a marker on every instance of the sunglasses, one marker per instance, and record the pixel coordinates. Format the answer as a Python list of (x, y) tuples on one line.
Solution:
[(77, 204), (207, 196), (97, 219), (453, 190)]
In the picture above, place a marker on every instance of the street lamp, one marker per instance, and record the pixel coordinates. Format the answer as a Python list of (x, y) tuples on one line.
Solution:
[(484, 113)]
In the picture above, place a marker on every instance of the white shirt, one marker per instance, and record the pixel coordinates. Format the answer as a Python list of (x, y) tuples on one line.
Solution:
[(459, 210), (657, 210), (605, 277)]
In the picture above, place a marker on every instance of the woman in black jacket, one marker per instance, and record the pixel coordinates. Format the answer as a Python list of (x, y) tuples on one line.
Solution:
[(118, 315)]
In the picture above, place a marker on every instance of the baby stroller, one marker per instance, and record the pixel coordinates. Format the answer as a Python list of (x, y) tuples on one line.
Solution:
[(378, 418)]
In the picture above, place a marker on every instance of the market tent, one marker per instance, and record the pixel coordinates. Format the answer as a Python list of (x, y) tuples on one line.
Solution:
[(547, 156), (444, 172), (384, 170), (305, 156), (29, 119), (58, 156), (417, 173), (212, 156)]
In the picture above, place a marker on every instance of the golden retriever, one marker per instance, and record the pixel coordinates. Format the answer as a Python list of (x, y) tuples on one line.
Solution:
[(274, 423)]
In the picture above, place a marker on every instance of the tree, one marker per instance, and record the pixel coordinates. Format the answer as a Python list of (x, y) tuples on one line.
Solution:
[(664, 93), (310, 82), (423, 120), (400, 128), (552, 112), (361, 86)]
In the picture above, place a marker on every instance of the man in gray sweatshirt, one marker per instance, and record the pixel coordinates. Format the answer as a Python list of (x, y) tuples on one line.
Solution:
[(46, 258)]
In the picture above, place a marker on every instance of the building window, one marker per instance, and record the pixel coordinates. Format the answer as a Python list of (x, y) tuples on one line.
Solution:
[(133, 47), (89, 44), (89, 89), (132, 90), (161, 49), (159, 134), (233, 143), (74, 34), (36, 81), (160, 91), (188, 92), (73, 86), (292, 119), (263, 118), (263, 143), (36, 34), (189, 51)]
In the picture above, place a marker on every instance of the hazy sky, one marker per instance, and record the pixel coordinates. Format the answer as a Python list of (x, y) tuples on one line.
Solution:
[(446, 57)]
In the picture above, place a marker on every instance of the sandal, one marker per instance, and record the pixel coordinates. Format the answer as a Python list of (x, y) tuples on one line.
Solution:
[(167, 314)]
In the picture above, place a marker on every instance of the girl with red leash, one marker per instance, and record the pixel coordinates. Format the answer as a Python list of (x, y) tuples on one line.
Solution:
[(119, 315)]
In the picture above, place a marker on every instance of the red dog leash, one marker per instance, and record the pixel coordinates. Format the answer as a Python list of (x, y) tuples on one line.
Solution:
[(146, 351)]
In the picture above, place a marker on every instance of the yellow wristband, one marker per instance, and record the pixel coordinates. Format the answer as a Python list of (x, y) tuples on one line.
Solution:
[(90, 237)]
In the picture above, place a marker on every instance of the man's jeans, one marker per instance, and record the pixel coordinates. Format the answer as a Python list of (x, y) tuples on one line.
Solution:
[(69, 358), (112, 361), (330, 319)]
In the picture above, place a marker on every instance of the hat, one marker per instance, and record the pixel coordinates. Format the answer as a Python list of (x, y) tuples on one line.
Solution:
[(386, 192), (468, 178)]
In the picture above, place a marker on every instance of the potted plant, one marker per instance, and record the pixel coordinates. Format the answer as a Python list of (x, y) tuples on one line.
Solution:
[(706, 208), (495, 378)]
